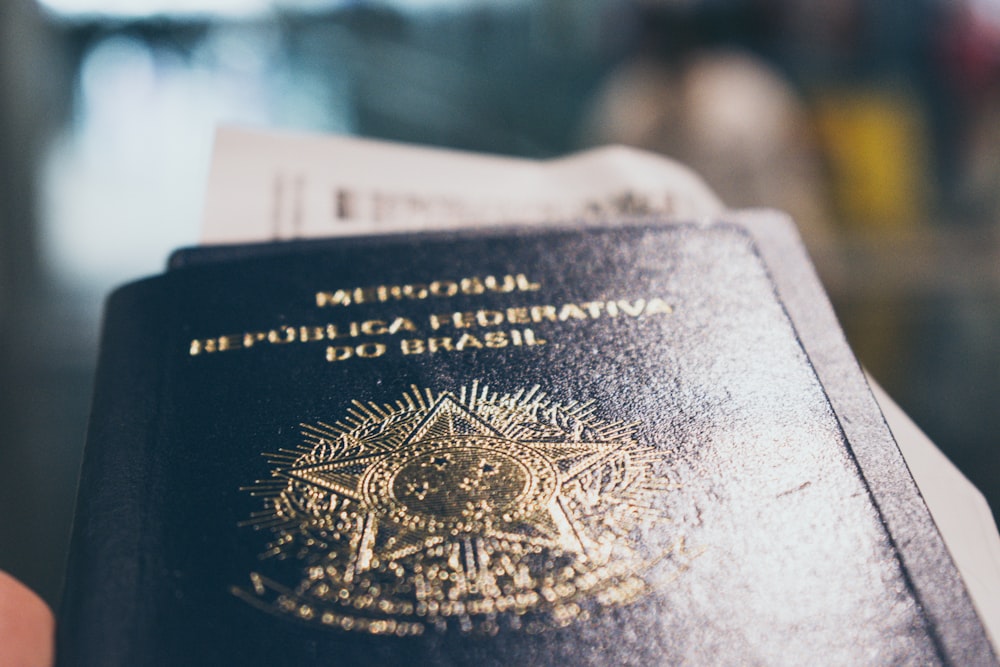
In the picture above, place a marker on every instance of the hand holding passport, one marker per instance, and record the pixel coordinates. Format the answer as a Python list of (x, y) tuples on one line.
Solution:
[(26, 625), (628, 440)]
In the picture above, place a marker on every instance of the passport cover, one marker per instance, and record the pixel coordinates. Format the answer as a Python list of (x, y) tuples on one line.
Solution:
[(646, 444)]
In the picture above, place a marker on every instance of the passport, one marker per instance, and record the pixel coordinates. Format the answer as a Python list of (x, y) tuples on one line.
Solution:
[(643, 443)]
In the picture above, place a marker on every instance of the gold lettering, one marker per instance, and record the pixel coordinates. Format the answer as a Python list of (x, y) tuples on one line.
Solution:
[(468, 340), (251, 339), (230, 342), (364, 294), (415, 291), (524, 284), (394, 291), (412, 346), (401, 324), (483, 318), (633, 309), (463, 320), (370, 350), (386, 292), (436, 344), (472, 286), (307, 334), (496, 339), (530, 339), (374, 328), (338, 298), (364, 351), (443, 288), (339, 353), (518, 316), (280, 336), (539, 313), (437, 288), (508, 284), (333, 332), (571, 310), (656, 305), (489, 318)]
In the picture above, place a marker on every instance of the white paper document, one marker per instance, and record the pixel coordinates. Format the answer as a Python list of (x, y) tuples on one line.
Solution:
[(282, 186), (958, 508)]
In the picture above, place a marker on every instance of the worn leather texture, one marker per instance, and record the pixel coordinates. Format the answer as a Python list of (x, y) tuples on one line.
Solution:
[(674, 460)]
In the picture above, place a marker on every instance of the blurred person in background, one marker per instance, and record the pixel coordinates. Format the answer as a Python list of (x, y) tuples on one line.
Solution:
[(728, 115)]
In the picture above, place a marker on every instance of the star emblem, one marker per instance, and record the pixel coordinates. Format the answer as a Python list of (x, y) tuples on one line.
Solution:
[(464, 507), (455, 474)]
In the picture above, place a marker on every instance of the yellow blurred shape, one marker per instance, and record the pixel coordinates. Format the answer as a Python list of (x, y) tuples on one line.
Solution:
[(876, 147)]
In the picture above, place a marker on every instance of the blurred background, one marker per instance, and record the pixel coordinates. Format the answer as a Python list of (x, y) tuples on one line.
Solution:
[(875, 123)]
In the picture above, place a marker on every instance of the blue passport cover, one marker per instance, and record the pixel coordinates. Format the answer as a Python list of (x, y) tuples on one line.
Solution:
[(646, 444)]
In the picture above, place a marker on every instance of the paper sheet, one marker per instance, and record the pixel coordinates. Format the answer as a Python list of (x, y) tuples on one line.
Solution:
[(282, 186)]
